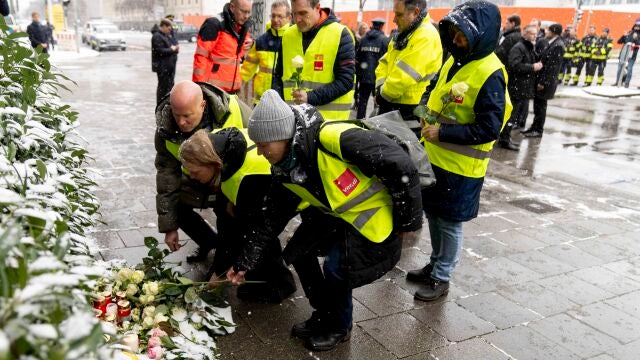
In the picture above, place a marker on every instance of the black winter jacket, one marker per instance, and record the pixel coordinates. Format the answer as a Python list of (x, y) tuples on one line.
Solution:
[(456, 197), (372, 46), (507, 41), (163, 59), (551, 59), (37, 34), (171, 184), (522, 78), (629, 38), (373, 153), (344, 68), (4, 7)]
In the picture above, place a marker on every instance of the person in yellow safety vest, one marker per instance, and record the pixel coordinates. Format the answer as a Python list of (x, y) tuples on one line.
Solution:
[(189, 107), (584, 54), (469, 104), (221, 45), (413, 58), (599, 55), (361, 196), (261, 58), (570, 53), (324, 53), (227, 162)]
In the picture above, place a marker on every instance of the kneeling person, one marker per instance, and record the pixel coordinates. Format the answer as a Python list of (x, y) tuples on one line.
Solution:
[(227, 162), (361, 192)]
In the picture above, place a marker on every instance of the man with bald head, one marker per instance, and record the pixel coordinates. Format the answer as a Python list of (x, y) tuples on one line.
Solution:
[(189, 107)]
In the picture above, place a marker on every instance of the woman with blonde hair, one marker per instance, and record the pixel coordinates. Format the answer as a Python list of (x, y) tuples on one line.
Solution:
[(227, 161)]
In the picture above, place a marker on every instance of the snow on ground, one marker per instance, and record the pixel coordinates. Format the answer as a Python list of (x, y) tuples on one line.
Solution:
[(597, 92), (58, 56)]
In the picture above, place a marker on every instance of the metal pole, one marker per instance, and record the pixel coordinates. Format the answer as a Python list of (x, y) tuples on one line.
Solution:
[(50, 11), (76, 23)]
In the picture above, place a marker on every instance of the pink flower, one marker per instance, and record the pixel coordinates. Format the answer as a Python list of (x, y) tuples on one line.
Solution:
[(153, 342), (155, 353), (158, 332)]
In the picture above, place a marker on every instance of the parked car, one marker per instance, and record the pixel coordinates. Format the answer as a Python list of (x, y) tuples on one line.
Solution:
[(186, 32), (90, 27), (107, 37)]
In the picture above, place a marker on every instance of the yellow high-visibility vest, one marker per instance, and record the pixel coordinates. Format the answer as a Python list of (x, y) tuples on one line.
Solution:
[(318, 67), (466, 160), (362, 201)]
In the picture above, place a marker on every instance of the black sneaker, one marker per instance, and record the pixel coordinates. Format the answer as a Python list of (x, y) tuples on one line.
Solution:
[(420, 275), (327, 340), (533, 134), (309, 327), (433, 290)]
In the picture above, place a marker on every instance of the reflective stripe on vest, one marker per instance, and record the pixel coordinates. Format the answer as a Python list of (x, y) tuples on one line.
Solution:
[(361, 201), (233, 120), (222, 67), (465, 160), (318, 67), (253, 164)]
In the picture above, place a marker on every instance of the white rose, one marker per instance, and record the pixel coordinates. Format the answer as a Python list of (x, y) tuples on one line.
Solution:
[(146, 299), (137, 276), (159, 318), (4, 346), (459, 89), (179, 314), (151, 288), (124, 274), (149, 311), (132, 289), (297, 62), (147, 322)]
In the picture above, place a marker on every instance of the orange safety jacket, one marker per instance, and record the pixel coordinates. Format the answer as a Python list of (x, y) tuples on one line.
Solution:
[(217, 61)]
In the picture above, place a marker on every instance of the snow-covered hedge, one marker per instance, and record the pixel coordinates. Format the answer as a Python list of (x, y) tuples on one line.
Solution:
[(47, 269)]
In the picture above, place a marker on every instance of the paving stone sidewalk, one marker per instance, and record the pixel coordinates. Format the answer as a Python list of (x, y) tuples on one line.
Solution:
[(550, 269)]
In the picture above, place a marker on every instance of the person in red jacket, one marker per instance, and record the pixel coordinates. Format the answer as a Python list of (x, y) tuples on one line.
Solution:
[(222, 45)]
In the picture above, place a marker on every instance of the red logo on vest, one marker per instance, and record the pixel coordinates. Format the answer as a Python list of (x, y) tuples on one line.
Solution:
[(347, 182), (318, 63)]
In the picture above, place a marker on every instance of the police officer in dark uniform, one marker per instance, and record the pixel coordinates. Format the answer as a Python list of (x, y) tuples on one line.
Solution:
[(370, 49)]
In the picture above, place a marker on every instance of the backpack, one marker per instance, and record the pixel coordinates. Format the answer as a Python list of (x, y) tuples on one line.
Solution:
[(394, 127)]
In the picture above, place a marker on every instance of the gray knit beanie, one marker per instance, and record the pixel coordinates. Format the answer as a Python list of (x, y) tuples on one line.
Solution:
[(272, 119)]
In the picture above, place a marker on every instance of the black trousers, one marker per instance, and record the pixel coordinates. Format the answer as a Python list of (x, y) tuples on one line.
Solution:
[(364, 92), (539, 113), (581, 63), (518, 117), (165, 82), (565, 68), (196, 228), (327, 287)]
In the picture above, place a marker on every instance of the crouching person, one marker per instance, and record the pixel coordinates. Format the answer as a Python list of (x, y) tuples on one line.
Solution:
[(227, 162), (362, 196)]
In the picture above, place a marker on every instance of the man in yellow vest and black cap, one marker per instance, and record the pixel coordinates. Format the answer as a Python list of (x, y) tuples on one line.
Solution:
[(413, 58), (189, 107), (317, 66), (262, 57), (361, 196), (468, 106)]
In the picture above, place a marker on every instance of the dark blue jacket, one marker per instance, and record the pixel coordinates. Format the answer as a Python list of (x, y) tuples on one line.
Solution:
[(456, 197), (37, 34), (370, 49), (4, 7), (343, 69)]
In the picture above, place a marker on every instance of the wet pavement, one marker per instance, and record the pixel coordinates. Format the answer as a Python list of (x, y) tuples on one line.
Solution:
[(550, 269)]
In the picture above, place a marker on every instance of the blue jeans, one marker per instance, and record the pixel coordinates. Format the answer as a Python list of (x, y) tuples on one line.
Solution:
[(630, 64), (446, 242)]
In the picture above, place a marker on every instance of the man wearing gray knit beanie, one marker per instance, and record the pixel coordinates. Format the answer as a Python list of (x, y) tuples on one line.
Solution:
[(323, 164)]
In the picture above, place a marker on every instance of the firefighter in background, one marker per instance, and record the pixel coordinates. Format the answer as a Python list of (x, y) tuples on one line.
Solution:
[(599, 56), (222, 43), (584, 53), (263, 55), (570, 53)]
